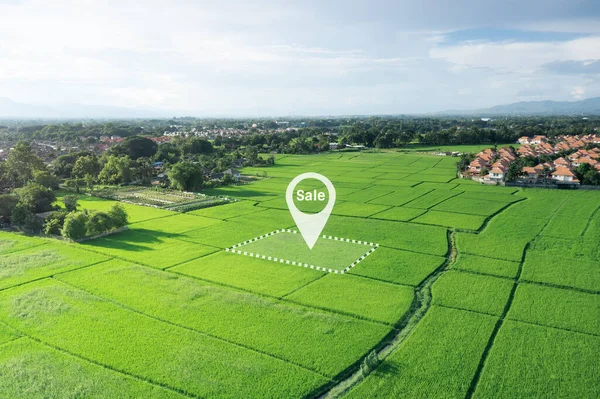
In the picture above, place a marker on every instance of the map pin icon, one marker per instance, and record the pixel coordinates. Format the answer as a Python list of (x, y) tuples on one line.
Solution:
[(310, 225)]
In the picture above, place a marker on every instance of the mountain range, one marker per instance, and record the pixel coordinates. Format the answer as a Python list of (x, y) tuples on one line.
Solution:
[(590, 106), (10, 109)]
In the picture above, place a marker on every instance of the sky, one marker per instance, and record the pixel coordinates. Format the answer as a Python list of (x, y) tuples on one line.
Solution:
[(309, 57)]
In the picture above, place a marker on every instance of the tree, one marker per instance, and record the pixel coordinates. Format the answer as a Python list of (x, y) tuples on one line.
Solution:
[(46, 179), (55, 222), (90, 181), (186, 176), (75, 225), (116, 170), (36, 198), (22, 162), (97, 223), (70, 202), (24, 218), (86, 165), (118, 216), (138, 146), (7, 205)]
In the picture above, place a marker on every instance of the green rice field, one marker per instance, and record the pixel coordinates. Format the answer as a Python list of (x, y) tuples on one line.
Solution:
[(460, 290)]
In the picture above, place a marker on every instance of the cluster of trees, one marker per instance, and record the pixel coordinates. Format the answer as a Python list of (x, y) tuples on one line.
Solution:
[(76, 225)]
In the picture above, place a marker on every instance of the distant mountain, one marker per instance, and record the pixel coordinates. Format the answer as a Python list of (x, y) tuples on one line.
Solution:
[(591, 106), (10, 109)]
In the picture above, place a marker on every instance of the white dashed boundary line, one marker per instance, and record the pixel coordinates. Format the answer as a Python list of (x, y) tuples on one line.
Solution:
[(236, 250)]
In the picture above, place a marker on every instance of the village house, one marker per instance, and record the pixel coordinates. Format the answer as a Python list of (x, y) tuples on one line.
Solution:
[(564, 175)]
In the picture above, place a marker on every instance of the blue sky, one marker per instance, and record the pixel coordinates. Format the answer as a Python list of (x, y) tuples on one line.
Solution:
[(248, 58)]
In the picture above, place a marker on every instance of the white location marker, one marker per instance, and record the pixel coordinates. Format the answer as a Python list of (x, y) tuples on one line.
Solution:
[(310, 225)]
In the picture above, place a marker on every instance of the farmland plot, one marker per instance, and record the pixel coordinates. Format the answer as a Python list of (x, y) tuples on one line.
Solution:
[(42, 261), (31, 370), (174, 357), (530, 361), (438, 359), (11, 242), (472, 292), (556, 307), (480, 264), (213, 309), (250, 274)]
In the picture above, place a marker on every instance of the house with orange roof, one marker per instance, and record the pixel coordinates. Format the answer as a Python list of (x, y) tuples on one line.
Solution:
[(564, 175), (523, 140), (477, 164), (561, 163), (538, 140)]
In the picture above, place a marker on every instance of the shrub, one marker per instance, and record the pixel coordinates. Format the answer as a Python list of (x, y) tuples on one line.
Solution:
[(54, 222), (118, 216), (75, 225)]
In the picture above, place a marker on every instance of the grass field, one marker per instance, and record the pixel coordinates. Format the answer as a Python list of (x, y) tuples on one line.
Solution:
[(473, 292)]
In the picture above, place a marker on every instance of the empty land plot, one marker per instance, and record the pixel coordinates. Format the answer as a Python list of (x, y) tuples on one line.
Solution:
[(95, 329), (393, 183), (430, 199), (177, 223), (438, 359), (401, 197), (451, 219), (148, 248), (419, 238), (556, 307), (369, 299), (472, 206), (472, 292), (398, 266), (480, 264), (228, 210), (285, 330), (399, 213), (327, 253), (30, 370), (250, 274), (11, 242), (529, 361), (42, 261)]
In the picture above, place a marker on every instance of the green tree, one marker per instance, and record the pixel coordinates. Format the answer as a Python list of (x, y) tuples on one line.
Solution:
[(86, 165), (36, 198), (70, 202), (54, 222), (25, 219), (7, 205), (22, 162), (97, 223), (118, 216), (138, 146), (46, 179), (186, 176), (116, 170), (74, 226)]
